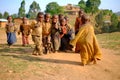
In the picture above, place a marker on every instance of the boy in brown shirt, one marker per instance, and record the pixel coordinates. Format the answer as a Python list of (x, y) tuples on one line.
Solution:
[(46, 31), (25, 30), (37, 34)]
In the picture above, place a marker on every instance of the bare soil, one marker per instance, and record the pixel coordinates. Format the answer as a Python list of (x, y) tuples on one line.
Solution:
[(63, 66)]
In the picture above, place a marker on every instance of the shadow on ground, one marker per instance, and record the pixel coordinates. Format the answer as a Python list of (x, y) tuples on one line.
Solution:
[(41, 59)]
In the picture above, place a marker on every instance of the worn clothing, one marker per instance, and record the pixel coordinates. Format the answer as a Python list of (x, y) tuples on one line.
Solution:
[(25, 30), (47, 29), (11, 33), (46, 33), (78, 23), (70, 31), (25, 40), (55, 36), (64, 38), (37, 37), (38, 45), (88, 46), (37, 28), (11, 38), (46, 36)]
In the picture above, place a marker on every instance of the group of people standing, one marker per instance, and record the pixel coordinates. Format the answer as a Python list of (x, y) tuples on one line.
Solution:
[(57, 31), (46, 29)]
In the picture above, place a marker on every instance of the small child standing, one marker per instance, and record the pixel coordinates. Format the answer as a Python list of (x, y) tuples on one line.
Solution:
[(47, 32), (25, 30), (10, 31), (55, 33), (37, 34)]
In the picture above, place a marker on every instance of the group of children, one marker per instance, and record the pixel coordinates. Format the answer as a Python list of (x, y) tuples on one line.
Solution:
[(53, 30)]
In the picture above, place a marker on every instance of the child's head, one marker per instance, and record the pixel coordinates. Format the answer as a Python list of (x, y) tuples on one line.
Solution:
[(40, 16), (9, 18), (24, 19), (61, 16), (47, 17), (54, 18), (81, 13), (63, 22), (67, 19)]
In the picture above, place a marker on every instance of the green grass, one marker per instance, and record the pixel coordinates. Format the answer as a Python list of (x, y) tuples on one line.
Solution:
[(110, 40)]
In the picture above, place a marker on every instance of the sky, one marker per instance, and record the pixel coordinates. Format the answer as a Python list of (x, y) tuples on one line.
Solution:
[(12, 6)]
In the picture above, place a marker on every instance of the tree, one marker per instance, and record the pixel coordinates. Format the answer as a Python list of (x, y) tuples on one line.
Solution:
[(119, 26), (14, 15), (82, 4), (92, 6), (107, 12), (0, 15), (21, 12), (114, 23), (54, 8), (5, 15), (34, 9), (99, 19)]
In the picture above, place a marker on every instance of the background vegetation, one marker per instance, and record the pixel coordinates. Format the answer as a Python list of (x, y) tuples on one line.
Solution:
[(104, 21)]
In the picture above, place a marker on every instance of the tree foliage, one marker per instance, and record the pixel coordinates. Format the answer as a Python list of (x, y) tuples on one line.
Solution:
[(21, 12), (119, 26), (14, 16), (82, 4), (99, 19), (5, 15), (0, 15), (107, 12), (114, 22), (33, 10), (54, 8), (92, 6)]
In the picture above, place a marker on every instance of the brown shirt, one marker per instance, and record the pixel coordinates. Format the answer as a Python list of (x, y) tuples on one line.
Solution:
[(37, 28), (25, 29), (47, 29)]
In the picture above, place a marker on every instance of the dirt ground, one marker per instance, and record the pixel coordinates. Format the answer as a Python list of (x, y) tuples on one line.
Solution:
[(66, 66)]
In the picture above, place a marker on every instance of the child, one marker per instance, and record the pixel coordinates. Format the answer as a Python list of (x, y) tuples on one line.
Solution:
[(47, 32), (63, 36), (55, 33), (10, 31), (25, 30), (37, 34)]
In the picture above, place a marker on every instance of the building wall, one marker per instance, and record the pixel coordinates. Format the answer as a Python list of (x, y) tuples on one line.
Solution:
[(2, 24)]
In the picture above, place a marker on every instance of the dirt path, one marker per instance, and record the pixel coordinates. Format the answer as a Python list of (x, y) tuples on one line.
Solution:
[(66, 66), (70, 68)]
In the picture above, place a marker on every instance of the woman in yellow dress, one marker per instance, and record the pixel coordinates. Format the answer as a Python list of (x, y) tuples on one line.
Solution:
[(89, 49)]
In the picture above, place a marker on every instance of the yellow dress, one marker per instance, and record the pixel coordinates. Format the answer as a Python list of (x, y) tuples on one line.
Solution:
[(89, 49)]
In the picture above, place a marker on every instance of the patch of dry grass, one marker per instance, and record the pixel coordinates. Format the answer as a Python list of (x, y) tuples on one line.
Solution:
[(110, 40)]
